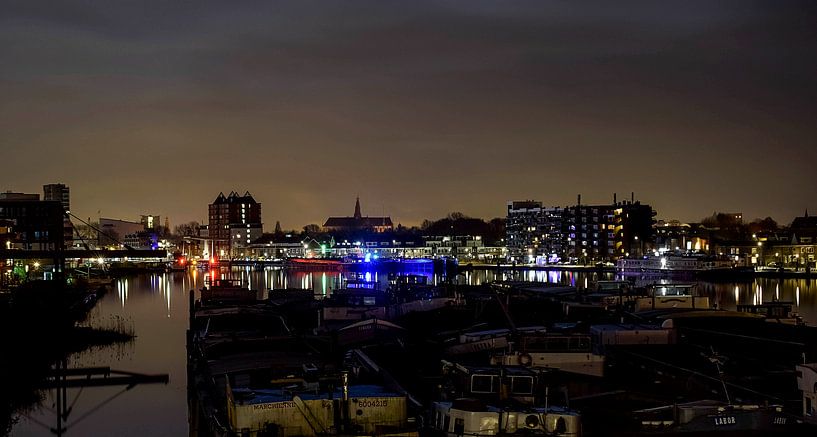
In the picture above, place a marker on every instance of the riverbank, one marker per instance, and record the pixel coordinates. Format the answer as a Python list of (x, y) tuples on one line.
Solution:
[(708, 275), (533, 267), (39, 327)]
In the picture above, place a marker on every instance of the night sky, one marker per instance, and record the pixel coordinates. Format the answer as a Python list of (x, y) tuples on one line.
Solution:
[(420, 108)]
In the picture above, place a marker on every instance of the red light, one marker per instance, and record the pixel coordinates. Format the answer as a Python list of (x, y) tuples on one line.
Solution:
[(181, 260)]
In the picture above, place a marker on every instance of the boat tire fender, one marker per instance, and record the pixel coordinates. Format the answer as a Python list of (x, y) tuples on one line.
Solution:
[(524, 359)]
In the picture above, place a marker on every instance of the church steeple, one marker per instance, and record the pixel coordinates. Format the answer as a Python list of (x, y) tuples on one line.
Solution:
[(357, 209)]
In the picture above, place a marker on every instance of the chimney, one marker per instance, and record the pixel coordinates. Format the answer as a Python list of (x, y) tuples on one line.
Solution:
[(632, 196), (614, 199), (579, 201)]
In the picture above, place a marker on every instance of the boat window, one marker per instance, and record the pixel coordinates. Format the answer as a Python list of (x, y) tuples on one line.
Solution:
[(483, 383), (369, 300), (522, 385), (580, 343)]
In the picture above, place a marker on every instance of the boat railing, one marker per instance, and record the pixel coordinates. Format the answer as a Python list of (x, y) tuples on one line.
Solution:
[(557, 343), (672, 290)]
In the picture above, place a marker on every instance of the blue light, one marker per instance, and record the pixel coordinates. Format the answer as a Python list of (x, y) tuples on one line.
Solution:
[(367, 257), (376, 256)]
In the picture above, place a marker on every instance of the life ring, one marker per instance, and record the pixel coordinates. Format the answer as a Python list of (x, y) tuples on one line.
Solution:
[(524, 359)]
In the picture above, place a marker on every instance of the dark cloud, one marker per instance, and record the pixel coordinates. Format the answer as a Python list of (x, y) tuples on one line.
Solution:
[(419, 107)]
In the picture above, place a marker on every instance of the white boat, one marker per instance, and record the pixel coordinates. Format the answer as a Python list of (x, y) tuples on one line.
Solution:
[(709, 417), (361, 409), (469, 417), (567, 352), (488, 340), (489, 401), (364, 300), (669, 263), (671, 296)]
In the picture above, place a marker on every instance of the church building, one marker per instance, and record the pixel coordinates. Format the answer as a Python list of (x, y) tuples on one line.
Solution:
[(358, 222)]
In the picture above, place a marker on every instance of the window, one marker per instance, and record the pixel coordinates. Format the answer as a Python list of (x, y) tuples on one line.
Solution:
[(522, 385), (482, 383)]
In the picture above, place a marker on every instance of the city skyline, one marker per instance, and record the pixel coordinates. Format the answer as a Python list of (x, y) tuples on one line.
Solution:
[(269, 223), (420, 109)]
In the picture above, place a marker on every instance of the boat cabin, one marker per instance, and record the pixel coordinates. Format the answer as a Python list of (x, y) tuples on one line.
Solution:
[(671, 296), (807, 383), (612, 287), (471, 417), (705, 417), (777, 311), (492, 383), (358, 410), (567, 352)]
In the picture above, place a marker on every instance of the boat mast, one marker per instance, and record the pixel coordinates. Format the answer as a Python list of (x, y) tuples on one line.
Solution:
[(715, 359)]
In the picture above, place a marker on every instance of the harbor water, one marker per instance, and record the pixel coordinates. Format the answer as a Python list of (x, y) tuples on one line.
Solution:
[(156, 308)]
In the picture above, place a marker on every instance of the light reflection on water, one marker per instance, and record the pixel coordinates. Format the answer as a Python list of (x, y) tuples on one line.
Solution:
[(156, 305)]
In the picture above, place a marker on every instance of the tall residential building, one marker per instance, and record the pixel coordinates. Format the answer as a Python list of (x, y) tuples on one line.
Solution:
[(61, 193), (590, 232), (58, 192), (524, 225), (234, 222), (579, 232), (607, 232)]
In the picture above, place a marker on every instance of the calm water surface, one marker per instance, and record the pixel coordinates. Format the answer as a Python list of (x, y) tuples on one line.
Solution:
[(155, 306)]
